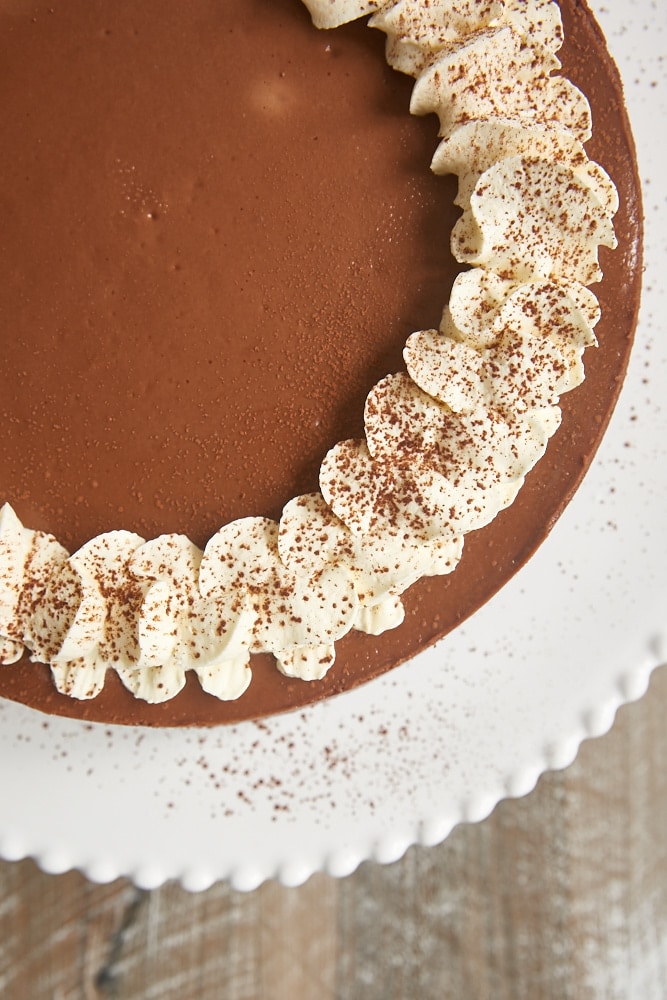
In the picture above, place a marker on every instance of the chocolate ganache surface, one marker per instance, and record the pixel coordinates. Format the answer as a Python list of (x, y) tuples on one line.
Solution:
[(210, 209), (219, 228)]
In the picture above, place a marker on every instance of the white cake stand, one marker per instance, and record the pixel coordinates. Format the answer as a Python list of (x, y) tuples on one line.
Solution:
[(438, 741)]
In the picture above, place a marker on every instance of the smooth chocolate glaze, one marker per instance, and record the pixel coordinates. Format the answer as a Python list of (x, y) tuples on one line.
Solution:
[(209, 217), (221, 230)]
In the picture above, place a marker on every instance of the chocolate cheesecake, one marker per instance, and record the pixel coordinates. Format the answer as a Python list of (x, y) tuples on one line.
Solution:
[(219, 230)]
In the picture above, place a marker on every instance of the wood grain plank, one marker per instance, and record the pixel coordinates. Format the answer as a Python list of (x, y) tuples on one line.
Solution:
[(55, 932), (299, 940), (188, 947)]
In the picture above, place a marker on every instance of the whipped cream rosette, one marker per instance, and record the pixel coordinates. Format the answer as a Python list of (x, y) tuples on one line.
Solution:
[(447, 444)]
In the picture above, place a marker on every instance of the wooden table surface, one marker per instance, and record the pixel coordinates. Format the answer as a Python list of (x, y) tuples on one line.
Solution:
[(562, 894)]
